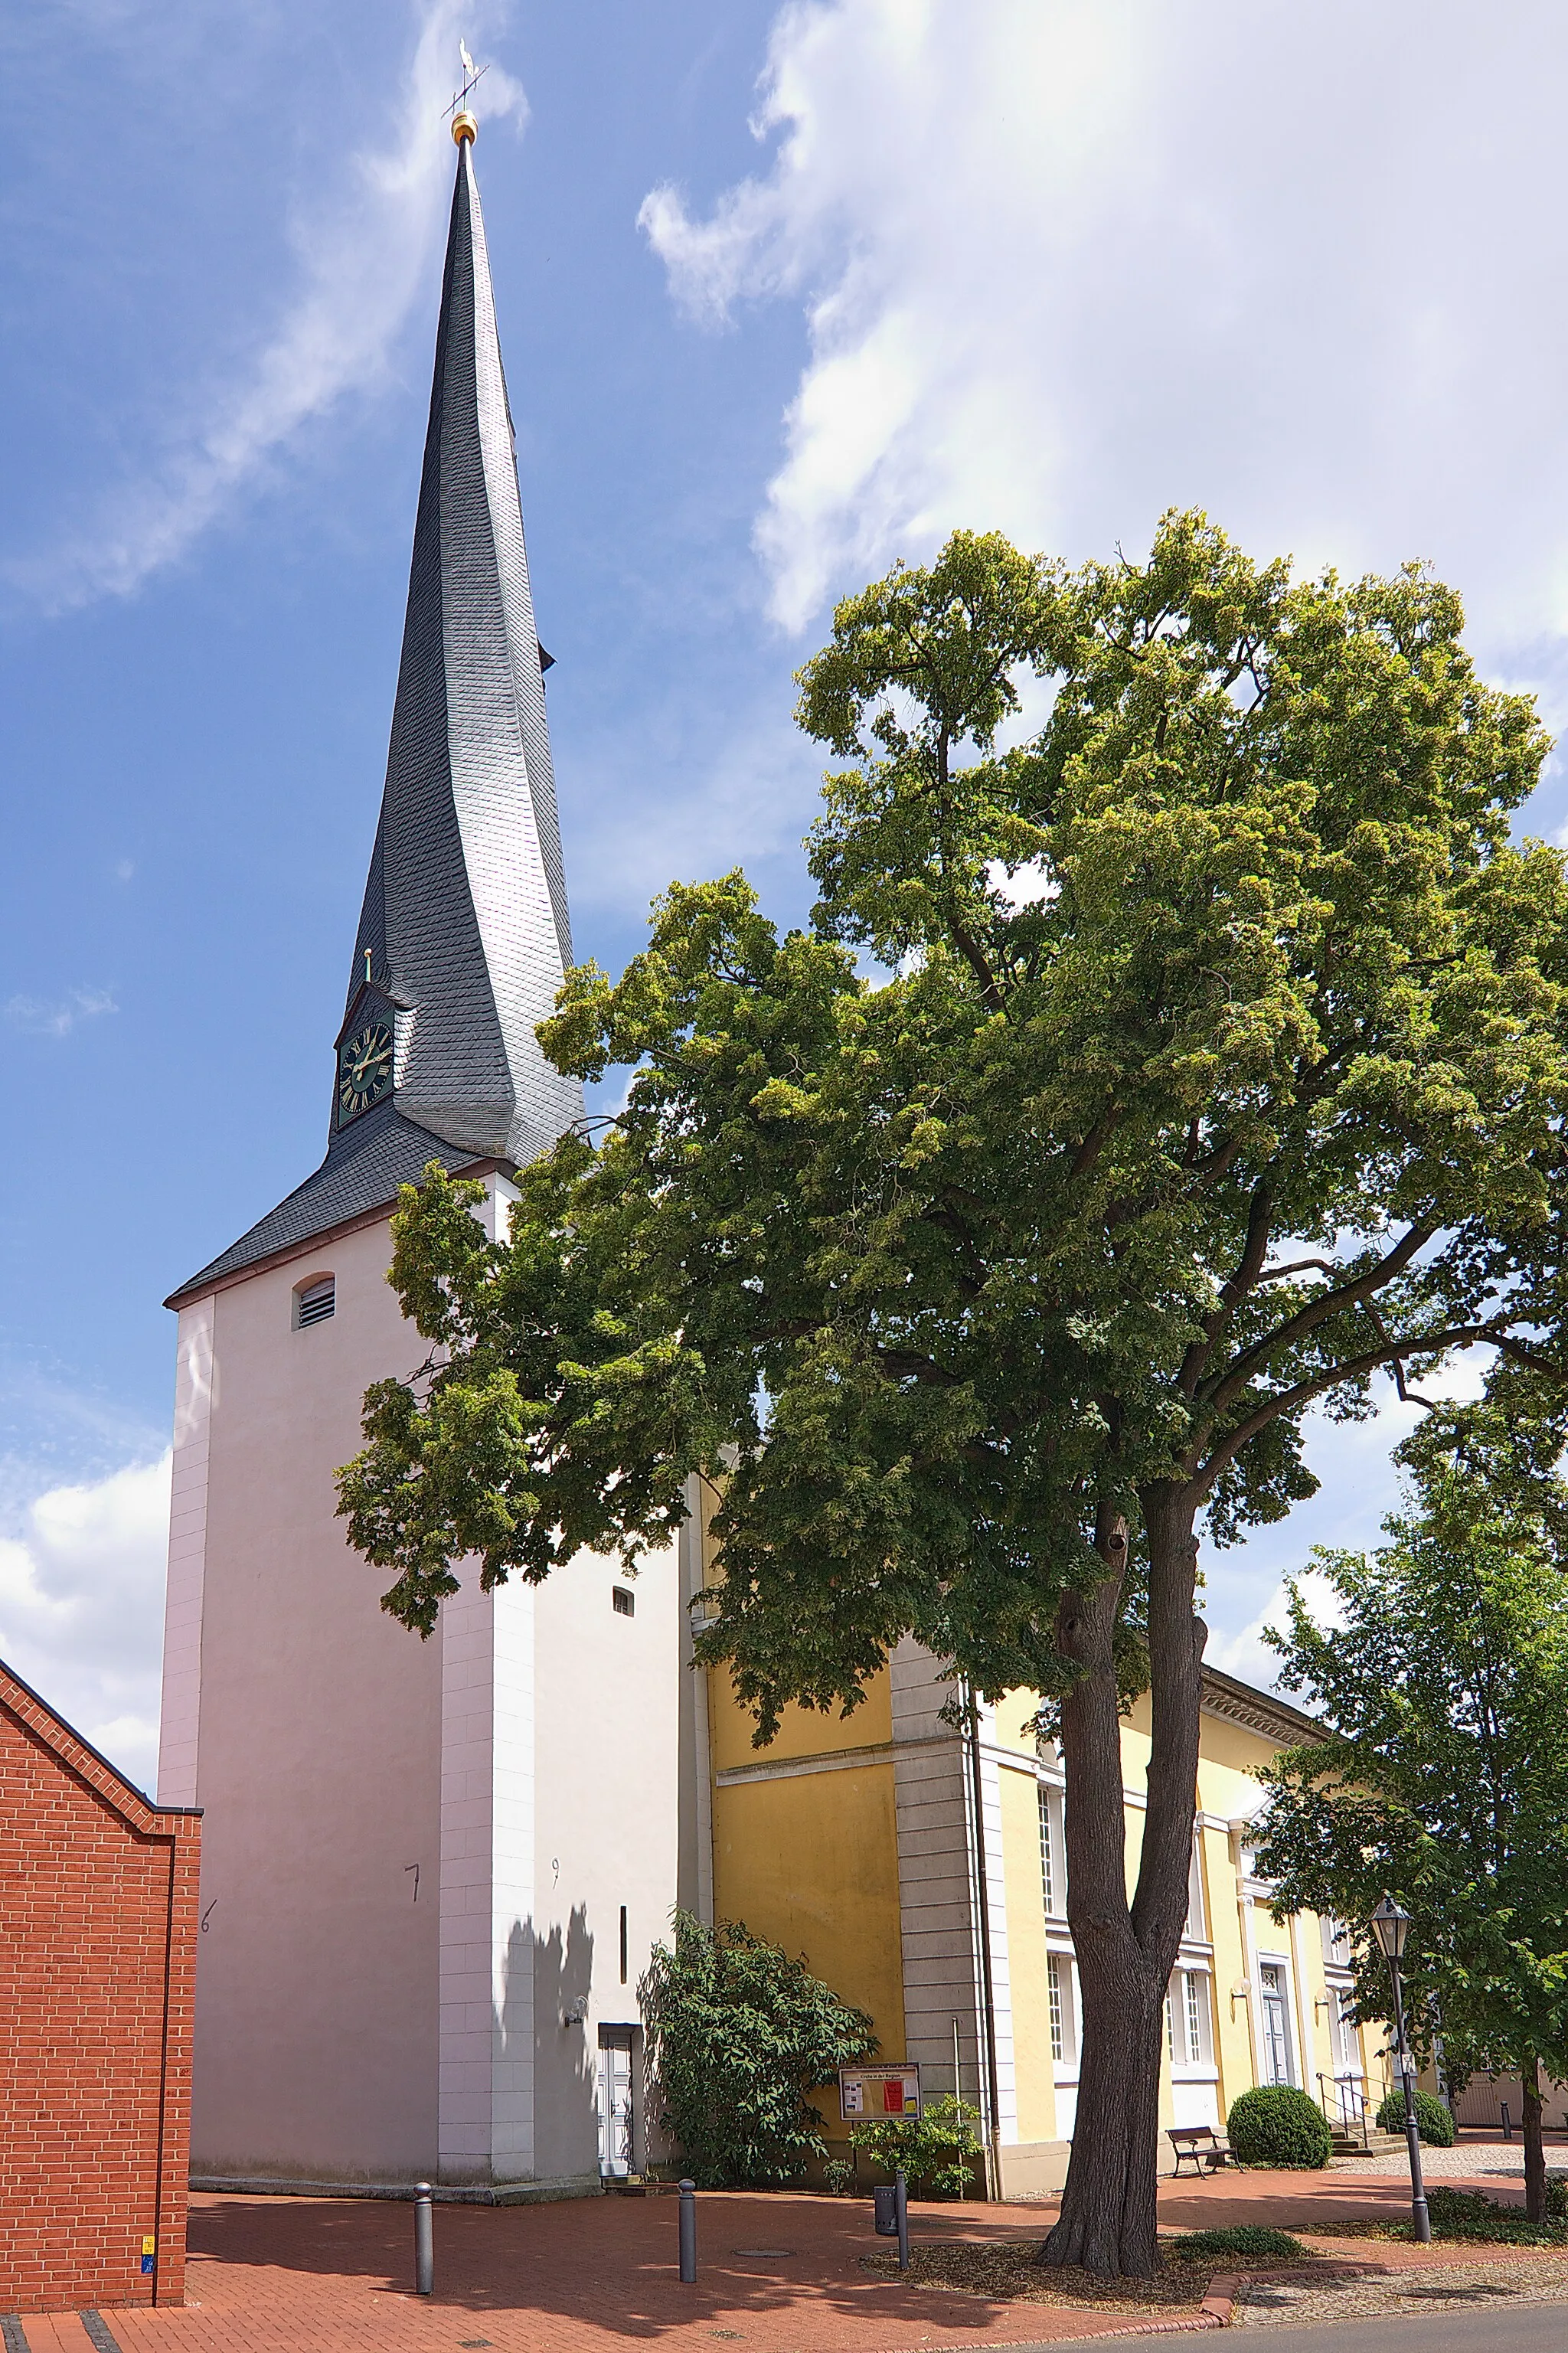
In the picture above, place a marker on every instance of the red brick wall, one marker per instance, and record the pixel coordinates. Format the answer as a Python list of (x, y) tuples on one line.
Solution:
[(97, 1927)]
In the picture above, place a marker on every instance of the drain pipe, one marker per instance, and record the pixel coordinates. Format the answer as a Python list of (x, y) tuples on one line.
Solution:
[(994, 2151)]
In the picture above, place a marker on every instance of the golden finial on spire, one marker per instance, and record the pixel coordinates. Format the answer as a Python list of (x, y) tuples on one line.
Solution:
[(465, 127)]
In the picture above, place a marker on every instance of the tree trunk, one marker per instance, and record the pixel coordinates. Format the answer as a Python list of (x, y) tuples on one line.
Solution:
[(1534, 2147), (1126, 1952)]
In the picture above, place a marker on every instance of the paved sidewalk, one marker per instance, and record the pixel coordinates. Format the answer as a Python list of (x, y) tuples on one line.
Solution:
[(1482, 2160), (776, 2275)]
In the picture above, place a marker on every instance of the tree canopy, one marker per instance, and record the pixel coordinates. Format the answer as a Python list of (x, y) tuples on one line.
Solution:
[(1178, 1043), (1443, 1681)]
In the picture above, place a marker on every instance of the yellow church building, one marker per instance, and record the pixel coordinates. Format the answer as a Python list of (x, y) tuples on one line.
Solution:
[(920, 1868)]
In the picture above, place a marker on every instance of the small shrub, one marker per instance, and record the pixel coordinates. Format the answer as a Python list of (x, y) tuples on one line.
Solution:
[(1278, 2126), (1253, 2239), (937, 2149), (838, 2175), (1435, 2123), (1469, 2214), (1557, 2197)]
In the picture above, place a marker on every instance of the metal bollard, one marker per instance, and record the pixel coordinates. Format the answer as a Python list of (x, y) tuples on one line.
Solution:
[(1507, 2121), (689, 2231), (902, 2197), (423, 2241)]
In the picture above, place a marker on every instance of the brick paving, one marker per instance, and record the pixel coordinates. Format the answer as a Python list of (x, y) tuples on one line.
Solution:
[(776, 2275), (325, 2275)]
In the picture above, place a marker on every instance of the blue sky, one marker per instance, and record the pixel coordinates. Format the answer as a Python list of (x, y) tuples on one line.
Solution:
[(784, 293)]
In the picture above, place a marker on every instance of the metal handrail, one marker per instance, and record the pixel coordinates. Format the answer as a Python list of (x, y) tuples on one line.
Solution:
[(1351, 2101)]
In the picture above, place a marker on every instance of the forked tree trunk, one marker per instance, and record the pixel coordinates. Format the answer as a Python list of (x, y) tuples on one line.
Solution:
[(1534, 2147), (1126, 1951)]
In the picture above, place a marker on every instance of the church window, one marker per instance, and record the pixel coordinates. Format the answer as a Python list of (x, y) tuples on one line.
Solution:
[(623, 1600), (314, 1301)]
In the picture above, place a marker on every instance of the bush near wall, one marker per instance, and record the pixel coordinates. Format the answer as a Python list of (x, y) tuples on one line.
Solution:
[(939, 2149), (740, 2035), (1277, 2126), (1433, 2120)]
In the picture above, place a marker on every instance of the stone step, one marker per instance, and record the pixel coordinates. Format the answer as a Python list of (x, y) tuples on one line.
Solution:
[(1378, 2144)]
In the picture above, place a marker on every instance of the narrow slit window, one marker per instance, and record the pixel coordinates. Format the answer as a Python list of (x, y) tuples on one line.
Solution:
[(623, 1944), (315, 1302), (624, 1601)]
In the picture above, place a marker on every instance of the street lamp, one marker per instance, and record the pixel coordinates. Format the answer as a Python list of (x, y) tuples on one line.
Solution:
[(1391, 1926)]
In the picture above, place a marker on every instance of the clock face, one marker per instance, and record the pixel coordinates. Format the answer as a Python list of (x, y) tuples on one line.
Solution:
[(364, 1071)]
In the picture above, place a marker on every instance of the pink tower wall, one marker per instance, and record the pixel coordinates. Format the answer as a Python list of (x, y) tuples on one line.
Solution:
[(317, 1753)]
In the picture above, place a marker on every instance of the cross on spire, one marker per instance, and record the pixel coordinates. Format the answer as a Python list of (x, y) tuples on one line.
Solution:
[(472, 75)]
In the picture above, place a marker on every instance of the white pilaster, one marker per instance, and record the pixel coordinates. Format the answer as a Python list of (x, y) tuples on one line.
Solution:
[(987, 1836), (485, 2076), (180, 1713)]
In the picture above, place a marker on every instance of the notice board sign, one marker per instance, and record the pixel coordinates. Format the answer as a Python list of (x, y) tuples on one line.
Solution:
[(870, 2094)]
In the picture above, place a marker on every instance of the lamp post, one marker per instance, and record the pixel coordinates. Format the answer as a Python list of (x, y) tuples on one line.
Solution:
[(1391, 1926)]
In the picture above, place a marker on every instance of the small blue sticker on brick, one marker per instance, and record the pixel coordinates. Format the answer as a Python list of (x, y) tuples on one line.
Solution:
[(147, 2262)]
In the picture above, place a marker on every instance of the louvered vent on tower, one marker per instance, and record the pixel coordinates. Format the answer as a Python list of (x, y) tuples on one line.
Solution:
[(315, 1302)]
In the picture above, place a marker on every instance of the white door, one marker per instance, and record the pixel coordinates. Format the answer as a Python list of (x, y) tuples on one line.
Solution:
[(1277, 2066), (615, 2100)]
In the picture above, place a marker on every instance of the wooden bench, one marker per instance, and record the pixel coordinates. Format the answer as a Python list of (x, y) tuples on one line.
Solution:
[(1200, 2147)]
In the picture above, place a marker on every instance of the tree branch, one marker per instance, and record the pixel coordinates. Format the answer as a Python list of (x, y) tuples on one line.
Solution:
[(1317, 1311), (1290, 1400), (1259, 1217)]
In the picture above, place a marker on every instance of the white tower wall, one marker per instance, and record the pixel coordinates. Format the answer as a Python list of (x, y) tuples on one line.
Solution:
[(415, 1853)]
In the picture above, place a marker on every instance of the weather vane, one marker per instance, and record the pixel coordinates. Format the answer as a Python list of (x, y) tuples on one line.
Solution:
[(472, 74)]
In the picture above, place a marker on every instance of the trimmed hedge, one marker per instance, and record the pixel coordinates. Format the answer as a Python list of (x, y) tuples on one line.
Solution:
[(1433, 2120), (1278, 2126)]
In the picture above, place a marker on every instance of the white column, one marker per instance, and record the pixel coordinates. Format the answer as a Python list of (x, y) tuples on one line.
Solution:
[(486, 2086), (180, 1713)]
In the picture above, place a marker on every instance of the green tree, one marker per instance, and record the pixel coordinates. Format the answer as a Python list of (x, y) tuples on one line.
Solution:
[(1445, 1688), (1214, 1064), (739, 2035)]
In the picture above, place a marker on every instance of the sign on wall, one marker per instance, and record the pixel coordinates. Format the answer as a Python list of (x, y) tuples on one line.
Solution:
[(868, 2092)]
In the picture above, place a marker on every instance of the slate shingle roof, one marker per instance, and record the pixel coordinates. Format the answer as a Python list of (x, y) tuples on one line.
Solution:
[(465, 916), (381, 1152)]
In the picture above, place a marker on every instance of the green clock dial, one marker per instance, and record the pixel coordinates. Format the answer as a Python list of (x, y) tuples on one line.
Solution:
[(364, 1071)]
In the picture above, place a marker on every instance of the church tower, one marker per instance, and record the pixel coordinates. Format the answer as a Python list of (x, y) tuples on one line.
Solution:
[(431, 1872)]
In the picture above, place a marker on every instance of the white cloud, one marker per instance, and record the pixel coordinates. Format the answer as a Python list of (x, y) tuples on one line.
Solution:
[(81, 1607), (363, 251), (1360, 1486), (1067, 262), (1247, 1655), (57, 1017)]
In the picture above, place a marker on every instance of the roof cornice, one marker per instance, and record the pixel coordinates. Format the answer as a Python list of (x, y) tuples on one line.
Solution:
[(1234, 1702)]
